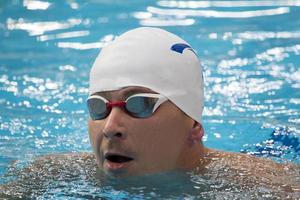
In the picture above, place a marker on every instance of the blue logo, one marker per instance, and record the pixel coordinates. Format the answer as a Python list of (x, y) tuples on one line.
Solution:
[(179, 47)]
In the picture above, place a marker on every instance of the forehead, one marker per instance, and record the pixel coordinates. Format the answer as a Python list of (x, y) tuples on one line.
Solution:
[(125, 92)]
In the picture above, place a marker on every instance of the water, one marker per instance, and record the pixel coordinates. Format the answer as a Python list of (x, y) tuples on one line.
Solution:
[(250, 55)]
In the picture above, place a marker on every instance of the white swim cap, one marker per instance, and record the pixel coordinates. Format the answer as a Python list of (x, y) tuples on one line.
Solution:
[(155, 59)]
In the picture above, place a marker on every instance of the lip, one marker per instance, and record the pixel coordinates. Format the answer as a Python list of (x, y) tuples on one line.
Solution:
[(116, 166)]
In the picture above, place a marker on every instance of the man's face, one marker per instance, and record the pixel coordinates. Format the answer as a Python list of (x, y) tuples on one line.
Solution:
[(124, 145)]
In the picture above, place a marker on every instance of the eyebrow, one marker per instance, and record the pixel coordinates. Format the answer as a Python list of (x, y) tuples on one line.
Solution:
[(126, 92), (133, 90)]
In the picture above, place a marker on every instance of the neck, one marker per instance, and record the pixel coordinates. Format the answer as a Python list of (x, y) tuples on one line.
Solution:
[(194, 157)]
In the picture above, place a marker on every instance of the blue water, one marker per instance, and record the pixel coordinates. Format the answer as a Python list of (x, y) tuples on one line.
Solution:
[(249, 52)]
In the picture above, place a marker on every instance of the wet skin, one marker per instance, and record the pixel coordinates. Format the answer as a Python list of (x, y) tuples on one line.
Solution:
[(161, 142)]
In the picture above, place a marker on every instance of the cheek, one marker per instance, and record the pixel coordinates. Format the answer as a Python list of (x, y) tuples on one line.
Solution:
[(171, 127), (95, 133), (158, 135)]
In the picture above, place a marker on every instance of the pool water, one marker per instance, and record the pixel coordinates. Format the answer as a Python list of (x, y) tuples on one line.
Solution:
[(249, 52)]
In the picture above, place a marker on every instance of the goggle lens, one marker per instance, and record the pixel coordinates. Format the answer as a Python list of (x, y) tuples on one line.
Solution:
[(97, 108)]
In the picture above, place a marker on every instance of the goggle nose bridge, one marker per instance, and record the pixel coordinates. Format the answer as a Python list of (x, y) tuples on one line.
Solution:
[(120, 104)]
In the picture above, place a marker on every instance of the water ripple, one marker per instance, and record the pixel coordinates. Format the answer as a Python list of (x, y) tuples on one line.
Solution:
[(36, 5), (167, 22), (71, 34), (229, 4), (218, 14), (39, 28), (275, 54), (81, 46)]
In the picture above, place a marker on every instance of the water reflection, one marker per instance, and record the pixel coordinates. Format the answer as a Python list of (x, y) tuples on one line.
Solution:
[(67, 68), (263, 35), (166, 22), (81, 46), (218, 14), (36, 5), (39, 28), (230, 4), (72, 34)]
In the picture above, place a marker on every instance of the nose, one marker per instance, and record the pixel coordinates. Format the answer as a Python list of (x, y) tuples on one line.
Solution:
[(114, 124)]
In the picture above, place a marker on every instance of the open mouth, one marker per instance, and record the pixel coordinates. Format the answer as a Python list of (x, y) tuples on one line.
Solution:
[(117, 158)]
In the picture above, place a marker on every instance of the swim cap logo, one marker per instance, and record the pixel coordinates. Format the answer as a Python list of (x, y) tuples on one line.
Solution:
[(179, 47)]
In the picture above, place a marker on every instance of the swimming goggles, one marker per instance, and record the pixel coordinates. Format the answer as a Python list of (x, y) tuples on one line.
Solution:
[(140, 105)]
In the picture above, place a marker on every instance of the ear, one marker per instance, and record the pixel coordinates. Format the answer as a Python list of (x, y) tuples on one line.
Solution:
[(196, 133)]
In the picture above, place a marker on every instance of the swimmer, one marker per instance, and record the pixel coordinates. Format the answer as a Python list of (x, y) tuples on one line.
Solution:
[(146, 97)]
